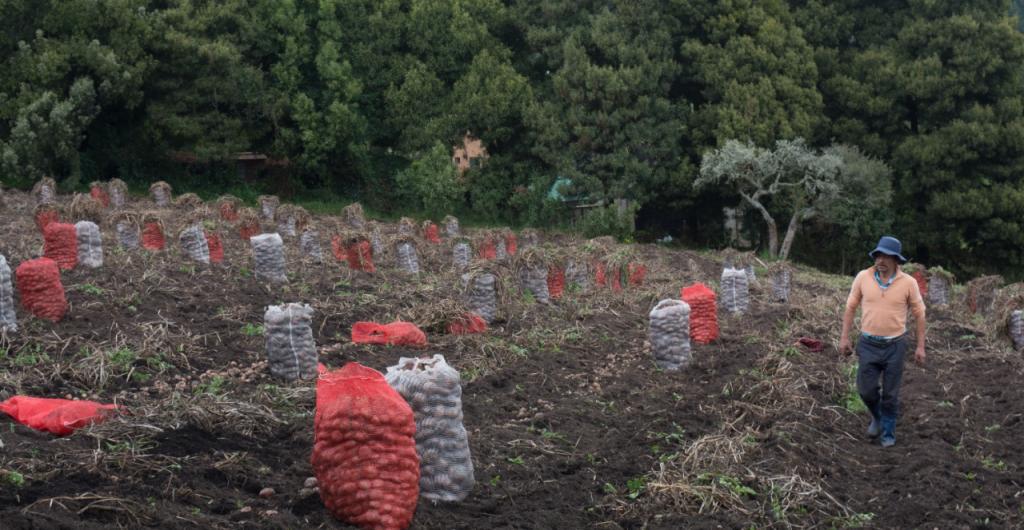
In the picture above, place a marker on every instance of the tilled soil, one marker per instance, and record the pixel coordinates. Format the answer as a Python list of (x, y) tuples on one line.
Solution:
[(571, 425)]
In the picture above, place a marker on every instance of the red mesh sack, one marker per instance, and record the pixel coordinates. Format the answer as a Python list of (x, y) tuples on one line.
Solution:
[(228, 211), (152, 236), (216, 247), (57, 416), (636, 273), (338, 249), (100, 195), (703, 312), (488, 250), (556, 281), (395, 333), (511, 243), (431, 233), (360, 256), (922, 282), (246, 231), (40, 290), (45, 217), (614, 279), (600, 274), (61, 244), (364, 449), (467, 324)]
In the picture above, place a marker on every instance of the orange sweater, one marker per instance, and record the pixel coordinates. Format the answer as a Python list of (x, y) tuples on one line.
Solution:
[(885, 312)]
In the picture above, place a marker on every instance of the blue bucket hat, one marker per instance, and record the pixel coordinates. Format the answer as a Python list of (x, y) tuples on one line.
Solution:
[(890, 246)]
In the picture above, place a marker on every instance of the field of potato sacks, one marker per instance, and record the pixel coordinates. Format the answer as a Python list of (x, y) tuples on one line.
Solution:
[(505, 379)]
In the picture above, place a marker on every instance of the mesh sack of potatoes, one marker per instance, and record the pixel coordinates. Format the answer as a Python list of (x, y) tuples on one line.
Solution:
[(433, 390)]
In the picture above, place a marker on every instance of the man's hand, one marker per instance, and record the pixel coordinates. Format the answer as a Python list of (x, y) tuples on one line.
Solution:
[(845, 348), (919, 355)]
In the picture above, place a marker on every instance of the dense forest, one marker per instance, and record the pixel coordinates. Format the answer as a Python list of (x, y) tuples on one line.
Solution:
[(835, 120)]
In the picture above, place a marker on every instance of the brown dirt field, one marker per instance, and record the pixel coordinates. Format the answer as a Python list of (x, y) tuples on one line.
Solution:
[(571, 425)]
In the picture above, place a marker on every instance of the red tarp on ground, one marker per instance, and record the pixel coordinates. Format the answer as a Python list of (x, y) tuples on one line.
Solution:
[(57, 416), (396, 333)]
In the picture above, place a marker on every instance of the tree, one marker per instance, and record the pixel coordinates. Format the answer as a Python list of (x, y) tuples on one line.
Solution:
[(795, 177), (754, 72), (608, 120), (431, 182)]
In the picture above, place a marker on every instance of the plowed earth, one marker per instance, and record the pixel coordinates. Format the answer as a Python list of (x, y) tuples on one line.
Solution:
[(571, 425)]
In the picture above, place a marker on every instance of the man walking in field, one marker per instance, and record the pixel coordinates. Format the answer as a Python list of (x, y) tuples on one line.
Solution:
[(887, 294)]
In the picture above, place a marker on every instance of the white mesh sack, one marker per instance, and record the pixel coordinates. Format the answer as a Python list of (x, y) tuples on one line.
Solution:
[(432, 389), (309, 242), (938, 290), (90, 244), (460, 255), (8, 318), (480, 295), (408, 260), (577, 274), (500, 250), (287, 226), (781, 280), (268, 251), (670, 334), (734, 291), (194, 243), (535, 280), (451, 226), (128, 234), (291, 351), (1017, 328), (377, 242)]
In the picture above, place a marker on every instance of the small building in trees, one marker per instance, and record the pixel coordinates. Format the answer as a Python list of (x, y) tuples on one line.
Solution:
[(470, 154)]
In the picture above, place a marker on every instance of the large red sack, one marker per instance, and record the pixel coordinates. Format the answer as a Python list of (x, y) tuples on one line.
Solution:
[(360, 256), (100, 195), (614, 279), (511, 243), (57, 416), (338, 248), (467, 324), (364, 449), (488, 250), (246, 231), (228, 211), (215, 245), (40, 290), (431, 233), (45, 217), (152, 236), (60, 243), (703, 312), (922, 282), (636, 273), (600, 275), (556, 281), (398, 333)]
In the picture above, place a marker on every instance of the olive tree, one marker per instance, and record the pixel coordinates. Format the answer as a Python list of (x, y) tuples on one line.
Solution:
[(794, 180)]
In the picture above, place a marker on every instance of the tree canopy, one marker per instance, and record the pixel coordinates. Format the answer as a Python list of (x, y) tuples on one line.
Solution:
[(918, 103)]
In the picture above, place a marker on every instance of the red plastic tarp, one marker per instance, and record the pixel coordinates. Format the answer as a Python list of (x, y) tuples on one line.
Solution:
[(396, 333), (467, 324), (57, 416)]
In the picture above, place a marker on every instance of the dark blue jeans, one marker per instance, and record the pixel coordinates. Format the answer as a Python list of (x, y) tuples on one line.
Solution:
[(877, 359)]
